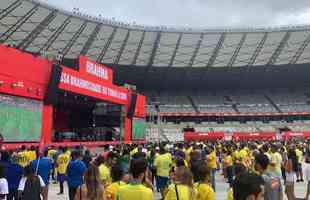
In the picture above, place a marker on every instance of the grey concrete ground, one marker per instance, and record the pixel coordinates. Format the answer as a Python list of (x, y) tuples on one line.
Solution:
[(222, 187)]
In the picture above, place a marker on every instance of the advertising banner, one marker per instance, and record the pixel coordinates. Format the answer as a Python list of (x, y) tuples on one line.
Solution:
[(74, 81), (91, 68)]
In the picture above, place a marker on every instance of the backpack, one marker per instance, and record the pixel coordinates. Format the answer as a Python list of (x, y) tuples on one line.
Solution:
[(32, 189)]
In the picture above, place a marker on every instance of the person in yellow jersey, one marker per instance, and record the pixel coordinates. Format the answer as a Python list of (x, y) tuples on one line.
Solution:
[(105, 167), (32, 153), (203, 187), (62, 163), (212, 164), (275, 161), (228, 166), (51, 153), (135, 190), (188, 150), (104, 171), (117, 181), (183, 188), (299, 173), (23, 157), (162, 164)]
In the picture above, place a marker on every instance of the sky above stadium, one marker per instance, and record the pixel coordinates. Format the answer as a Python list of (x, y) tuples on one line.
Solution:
[(197, 13)]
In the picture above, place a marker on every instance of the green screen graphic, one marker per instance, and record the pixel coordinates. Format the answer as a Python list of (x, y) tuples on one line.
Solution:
[(138, 129), (20, 119)]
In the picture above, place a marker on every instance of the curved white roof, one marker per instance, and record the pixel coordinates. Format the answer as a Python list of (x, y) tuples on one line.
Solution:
[(35, 27)]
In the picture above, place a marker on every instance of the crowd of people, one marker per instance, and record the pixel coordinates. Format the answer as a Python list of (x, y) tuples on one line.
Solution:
[(253, 170)]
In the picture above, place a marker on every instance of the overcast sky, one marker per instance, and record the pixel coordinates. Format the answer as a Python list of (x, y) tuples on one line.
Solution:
[(198, 13)]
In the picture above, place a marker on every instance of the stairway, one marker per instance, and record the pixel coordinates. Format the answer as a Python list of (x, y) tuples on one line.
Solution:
[(193, 104), (272, 103)]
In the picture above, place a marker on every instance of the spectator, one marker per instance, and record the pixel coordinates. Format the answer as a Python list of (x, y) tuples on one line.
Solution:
[(182, 189), (299, 155), (75, 172), (273, 187), (162, 163), (62, 164), (13, 174), (93, 188), (117, 174), (87, 158), (291, 167), (135, 190), (307, 174), (249, 186), (42, 167), (4, 188), (203, 187), (31, 185), (212, 165)]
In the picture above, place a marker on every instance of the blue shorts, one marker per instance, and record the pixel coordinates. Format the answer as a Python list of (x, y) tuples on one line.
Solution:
[(61, 177), (162, 182)]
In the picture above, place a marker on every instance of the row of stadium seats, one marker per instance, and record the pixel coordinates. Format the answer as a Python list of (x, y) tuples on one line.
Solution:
[(260, 101)]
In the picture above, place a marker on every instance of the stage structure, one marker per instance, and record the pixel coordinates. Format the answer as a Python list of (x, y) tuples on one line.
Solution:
[(36, 96)]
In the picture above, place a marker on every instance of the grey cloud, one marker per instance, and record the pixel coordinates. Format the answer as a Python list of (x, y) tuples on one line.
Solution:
[(199, 13)]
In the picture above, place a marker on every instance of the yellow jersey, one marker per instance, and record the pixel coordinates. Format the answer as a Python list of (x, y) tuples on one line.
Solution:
[(112, 190), (184, 192), (62, 163), (212, 160), (299, 155), (32, 155), (105, 174), (204, 191), (23, 158), (163, 163), (134, 192), (230, 194)]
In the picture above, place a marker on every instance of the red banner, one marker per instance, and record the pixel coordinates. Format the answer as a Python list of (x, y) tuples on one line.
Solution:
[(74, 81), (287, 135), (91, 68), (140, 106), (201, 136), (254, 136)]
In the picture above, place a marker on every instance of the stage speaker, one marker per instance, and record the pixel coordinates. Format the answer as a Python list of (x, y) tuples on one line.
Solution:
[(51, 95), (132, 106)]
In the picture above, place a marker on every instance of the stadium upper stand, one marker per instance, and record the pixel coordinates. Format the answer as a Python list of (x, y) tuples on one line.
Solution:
[(240, 101), (37, 27)]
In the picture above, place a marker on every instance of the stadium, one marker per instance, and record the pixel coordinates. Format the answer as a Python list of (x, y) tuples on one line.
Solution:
[(187, 84)]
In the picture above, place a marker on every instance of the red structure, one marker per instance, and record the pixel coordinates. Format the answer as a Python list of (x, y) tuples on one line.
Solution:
[(203, 136), (254, 136), (24, 75), (301, 135)]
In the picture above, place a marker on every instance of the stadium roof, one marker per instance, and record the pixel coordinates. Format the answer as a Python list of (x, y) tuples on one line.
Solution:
[(37, 27)]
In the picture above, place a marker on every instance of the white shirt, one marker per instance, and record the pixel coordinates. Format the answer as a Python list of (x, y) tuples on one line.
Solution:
[(306, 167), (22, 183), (4, 188)]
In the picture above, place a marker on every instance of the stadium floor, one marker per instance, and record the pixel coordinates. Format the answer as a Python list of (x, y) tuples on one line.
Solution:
[(300, 190)]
